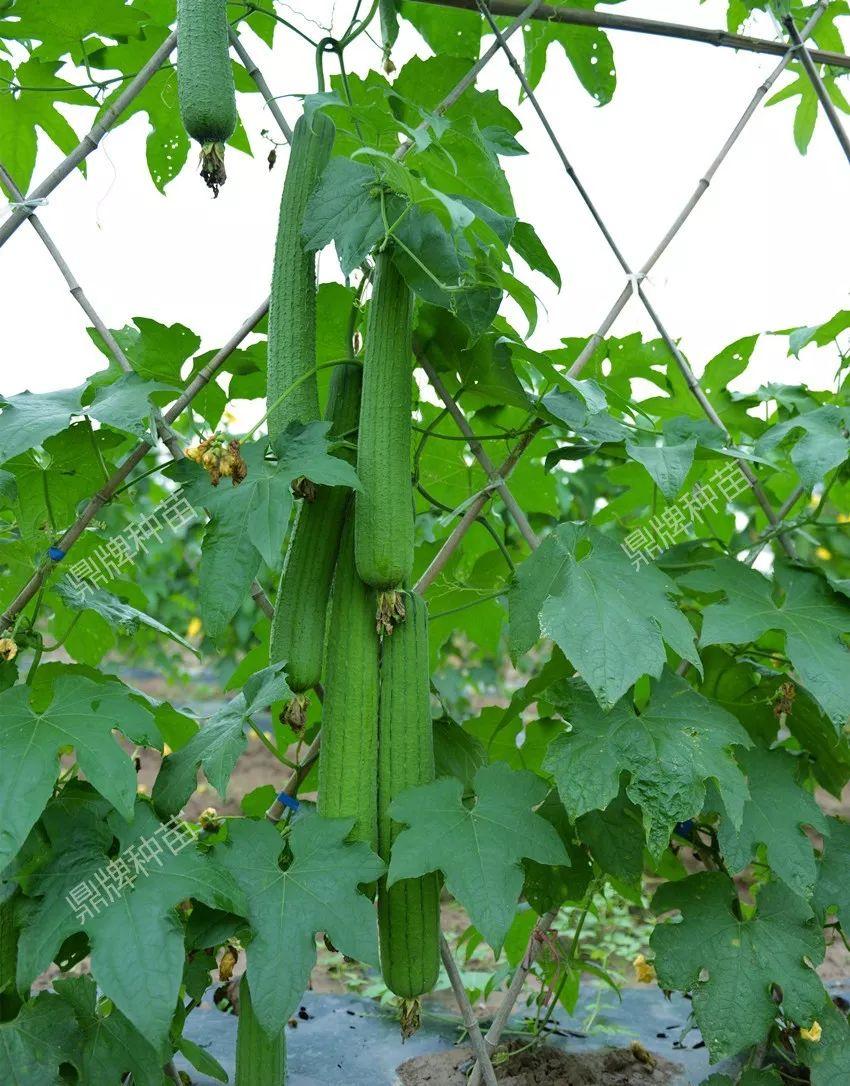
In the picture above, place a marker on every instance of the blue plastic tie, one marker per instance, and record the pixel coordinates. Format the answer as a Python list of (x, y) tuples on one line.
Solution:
[(56, 553), (288, 801)]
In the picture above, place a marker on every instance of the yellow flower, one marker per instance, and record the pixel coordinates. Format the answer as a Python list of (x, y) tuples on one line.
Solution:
[(644, 970), (194, 628), (812, 1034), (8, 649), (823, 554)]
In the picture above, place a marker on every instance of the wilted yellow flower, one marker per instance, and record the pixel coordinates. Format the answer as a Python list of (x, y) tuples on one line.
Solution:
[(8, 649), (644, 970), (812, 1034), (194, 628), (823, 554)]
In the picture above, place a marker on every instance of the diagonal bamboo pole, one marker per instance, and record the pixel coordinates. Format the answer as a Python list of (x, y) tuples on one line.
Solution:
[(609, 21), (818, 84), (479, 1045), (635, 280), (262, 85), (503, 1013)]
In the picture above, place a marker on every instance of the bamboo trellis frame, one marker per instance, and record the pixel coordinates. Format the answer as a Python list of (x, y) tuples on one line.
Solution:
[(24, 208)]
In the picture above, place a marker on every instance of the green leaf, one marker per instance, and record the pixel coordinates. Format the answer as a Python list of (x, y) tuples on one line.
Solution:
[(24, 112), (109, 1044), (345, 209), (29, 418), (812, 617), (60, 27), (823, 444), (587, 49), (742, 958), (156, 351), (219, 743), (829, 1058), (137, 951), (447, 31), (122, 616), (678, 743), (36, 1042), (201, 1060), (668, 464), (832, 893), (774, 816), (529, 246), (316, 892), (611, 621), (82, 714), (126, 405), (548, 887), (477, 848), (615, 838)]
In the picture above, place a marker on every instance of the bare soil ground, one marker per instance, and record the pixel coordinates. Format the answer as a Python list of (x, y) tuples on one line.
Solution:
[(544, 1067)]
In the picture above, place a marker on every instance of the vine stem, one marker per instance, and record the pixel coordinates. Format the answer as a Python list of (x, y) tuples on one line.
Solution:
[(295, 384), (467, 1013)]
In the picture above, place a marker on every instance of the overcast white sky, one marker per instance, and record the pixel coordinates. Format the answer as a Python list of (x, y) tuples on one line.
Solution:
[(766, 249)]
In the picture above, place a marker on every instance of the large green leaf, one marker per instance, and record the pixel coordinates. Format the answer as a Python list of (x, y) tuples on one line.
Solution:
[(219, 743), (729, 963), (126, 405), (125, 618), (82, 714), (587, 49), (137, 951), (156, 351), (821, 441), (774, 816), (24, 112), (812, 617), (109, 1045), (832, 893), (478, 848), (60, 27), (37, 1042), (612, 622), (678, 743), (316, 892), (29, 418)]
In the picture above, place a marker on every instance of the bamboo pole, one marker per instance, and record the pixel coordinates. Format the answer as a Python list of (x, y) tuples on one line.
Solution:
[(479, 1045), (502, 1015), (262, 86), (655, 27)]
